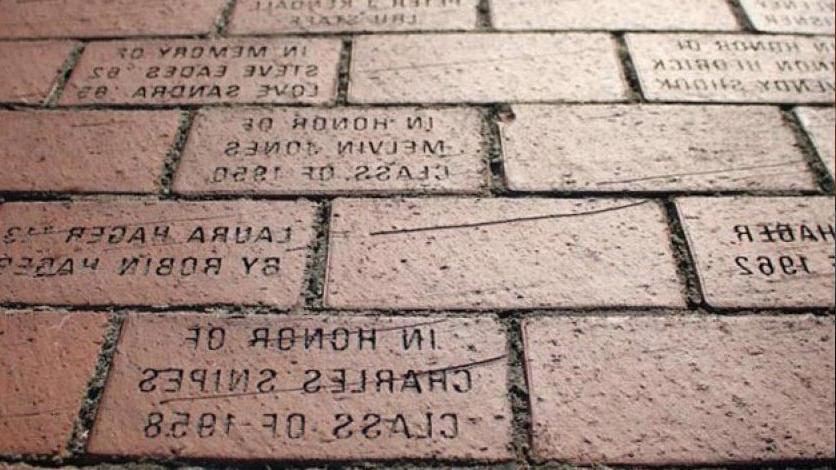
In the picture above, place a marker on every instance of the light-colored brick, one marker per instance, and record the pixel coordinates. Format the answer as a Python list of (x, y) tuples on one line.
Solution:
[(31, 68), (819, 123), (780, 16)]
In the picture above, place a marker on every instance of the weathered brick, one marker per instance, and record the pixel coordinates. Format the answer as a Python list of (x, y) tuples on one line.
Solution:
[(651, 148), (183, 71), (306, 388), (709, 15), (762, 252), (85, 151), (101, 18), (819, 124), (341, 150), (46, 361), (499, 253), (734, 68), (681, 390), (777, 16), (485, 68), (31, 68), (154, 253), (259, 16)]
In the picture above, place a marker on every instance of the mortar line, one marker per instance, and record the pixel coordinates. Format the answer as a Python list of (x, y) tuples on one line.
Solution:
[(344, 70), (484, 16), (804, 141), (221, 27), (628, 70), (175, 153), (67, 69), (517, 390), (682, 251), (495, 153), (743, 21), (313, 292)]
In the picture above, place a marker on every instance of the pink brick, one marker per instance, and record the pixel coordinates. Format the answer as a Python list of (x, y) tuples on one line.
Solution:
[(30, 69)]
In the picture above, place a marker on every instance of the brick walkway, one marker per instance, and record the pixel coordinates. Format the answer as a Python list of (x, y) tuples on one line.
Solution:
[(417, 233)]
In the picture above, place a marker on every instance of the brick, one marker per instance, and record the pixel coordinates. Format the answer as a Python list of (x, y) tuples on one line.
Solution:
[(791, 17), (342, 150), (85, 151), (482, 254), (678, 390), (180, 71), (46, 361), (819, 124), (734, 68), (154, 253), (708, 15), (103, 18), (264, 17), (762, 252), (365, 388), (485, 68), (31, 69), (651, 148)]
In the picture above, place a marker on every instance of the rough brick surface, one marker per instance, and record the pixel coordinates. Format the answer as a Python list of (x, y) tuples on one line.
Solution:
[(35, 65), (154, 253), (342, 150), (762, 252), (775, 16), (679, 390), (99, 18), (485, 68), (820, 124), (495, 253), (365, 388), (46, 361), (85, 151), (651, 148)]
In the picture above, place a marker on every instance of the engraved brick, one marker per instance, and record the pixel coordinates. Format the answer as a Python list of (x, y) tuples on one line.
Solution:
[(485, 68), (777, 16), (259, 16), (31, 68), (46, 361), (181, 71), (307, 388), (762, 252), (819, 124), (651, 148), (100, 18), (85, 151), (734, 68), (671, 15), (154, 253), (499, 253), (342, 150), (678, 390)]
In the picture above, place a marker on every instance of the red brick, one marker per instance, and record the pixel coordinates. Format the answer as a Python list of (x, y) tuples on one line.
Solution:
[(791, 17), (470, 419), (485, 68), (182, 71), (46, 361), (342, 150), (762, 252), (85, 151), (499, 253), (154, 253), (651, 148), (31, 68), (681, 390), (98, 18), (819, 124)]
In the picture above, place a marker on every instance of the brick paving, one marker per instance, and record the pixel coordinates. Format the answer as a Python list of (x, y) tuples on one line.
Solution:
[(417, 233)]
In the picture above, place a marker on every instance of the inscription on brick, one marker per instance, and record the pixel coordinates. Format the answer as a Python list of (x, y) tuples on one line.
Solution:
[(282, 70), (31, 68), (306, 388), (734, 68), (781, 16), (762, 252), (343, 150), (819, 124), (154, 253)]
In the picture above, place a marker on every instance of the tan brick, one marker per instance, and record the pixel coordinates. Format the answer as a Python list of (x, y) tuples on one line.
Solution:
[(681, 390), (365, 388), (342, 150), (499, 253), (734, 68), (85, 151), (485, 68), (819, 124), (181, 71), (762, 252), (154, 253), (777, 16), (31, 68), (100, 18), (709, 15), (260, 16), (46, 361), (651, 148)]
